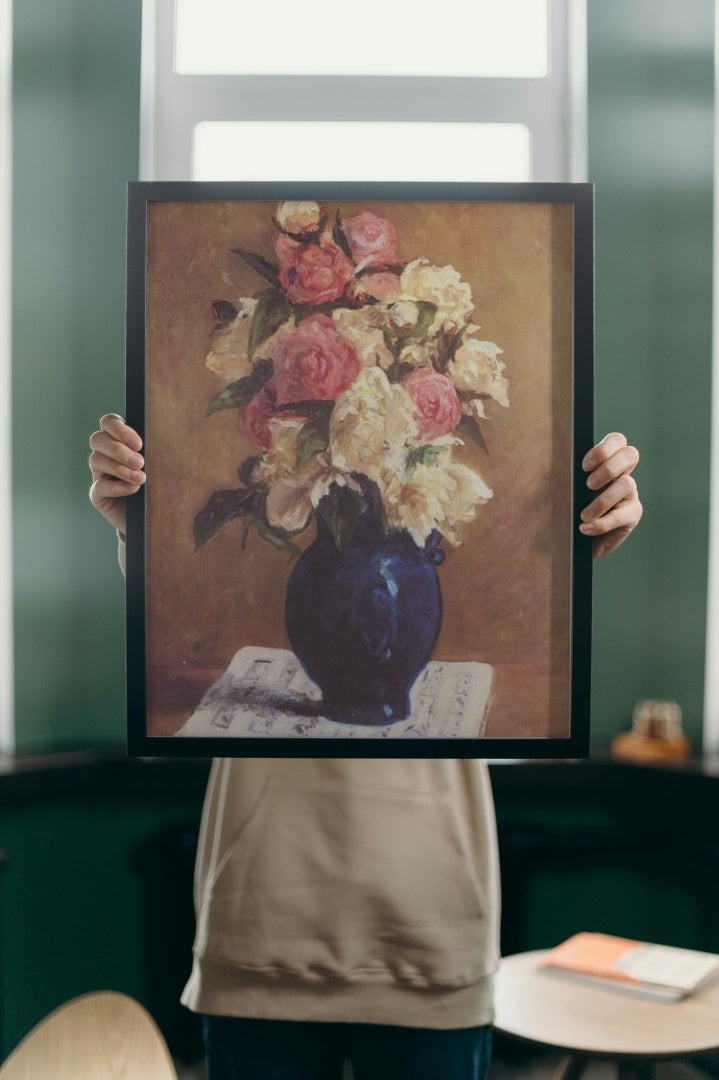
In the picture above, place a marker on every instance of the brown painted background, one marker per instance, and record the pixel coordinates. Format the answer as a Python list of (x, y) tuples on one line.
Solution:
[(506, 590)]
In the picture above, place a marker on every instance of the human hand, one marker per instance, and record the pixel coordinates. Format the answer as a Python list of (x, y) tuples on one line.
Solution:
[(616, 510), (116, 467)]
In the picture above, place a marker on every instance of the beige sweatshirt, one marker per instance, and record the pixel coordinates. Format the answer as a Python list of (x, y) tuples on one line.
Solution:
[(347, 890)]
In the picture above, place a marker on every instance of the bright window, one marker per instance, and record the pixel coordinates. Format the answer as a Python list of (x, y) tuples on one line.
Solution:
[(487, 91), (469, 38), (268, 149)]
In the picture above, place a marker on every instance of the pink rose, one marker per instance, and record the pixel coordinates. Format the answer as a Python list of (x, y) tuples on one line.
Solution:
[(257, 414), (285, 247), (437, 408), (313, 273), (382, 285), (372, 239), (315, 363)]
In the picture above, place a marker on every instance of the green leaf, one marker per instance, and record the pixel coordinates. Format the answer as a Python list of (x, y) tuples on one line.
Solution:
[(313, 438), (427, 312), (240, 392), (340, 236), (469, 426), (310, 407), (271, 312), (277, 537), (423, 455), (221, 507), (260, 265), (340, 510), (425, 316)]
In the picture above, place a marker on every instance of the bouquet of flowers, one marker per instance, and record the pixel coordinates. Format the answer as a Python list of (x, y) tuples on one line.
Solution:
[(358, 378)]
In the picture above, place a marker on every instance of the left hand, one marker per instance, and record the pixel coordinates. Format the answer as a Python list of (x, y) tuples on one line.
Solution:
[(616, 510)]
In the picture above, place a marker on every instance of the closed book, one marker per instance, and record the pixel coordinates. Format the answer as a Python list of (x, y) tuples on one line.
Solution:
[(661, 972)]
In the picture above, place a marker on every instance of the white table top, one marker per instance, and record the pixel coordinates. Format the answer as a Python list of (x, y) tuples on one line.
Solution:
[(570, 1015)]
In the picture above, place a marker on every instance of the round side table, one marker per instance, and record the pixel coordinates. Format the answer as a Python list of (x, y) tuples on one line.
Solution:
[(586, 1022)]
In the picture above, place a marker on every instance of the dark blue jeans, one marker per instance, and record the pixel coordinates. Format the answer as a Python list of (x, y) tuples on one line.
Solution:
[(240, 1049)]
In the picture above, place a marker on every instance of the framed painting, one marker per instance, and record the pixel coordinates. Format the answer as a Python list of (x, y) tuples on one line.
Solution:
[(364, 409)]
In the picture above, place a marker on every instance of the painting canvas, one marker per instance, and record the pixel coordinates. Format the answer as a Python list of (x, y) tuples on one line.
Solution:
[(363, 409)]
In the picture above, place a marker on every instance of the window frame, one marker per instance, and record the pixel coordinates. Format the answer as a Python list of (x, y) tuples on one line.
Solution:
[(710, 727), (7, 704)]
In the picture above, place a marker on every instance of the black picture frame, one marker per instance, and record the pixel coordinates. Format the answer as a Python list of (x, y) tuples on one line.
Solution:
[(571, 204)]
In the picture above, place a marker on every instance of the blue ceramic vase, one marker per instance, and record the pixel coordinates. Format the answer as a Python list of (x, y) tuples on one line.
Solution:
[(363, 620)]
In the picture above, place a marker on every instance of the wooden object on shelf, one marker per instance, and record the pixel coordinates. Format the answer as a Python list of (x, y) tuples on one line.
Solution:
[(656, 733)]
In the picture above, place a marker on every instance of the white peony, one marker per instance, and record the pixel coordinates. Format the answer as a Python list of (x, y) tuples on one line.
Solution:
[(416, 504), (404, 314), (299, 219), (363, 328), (441, 286), (477, 369), (228, 356), (419, 354), (465, 491), (370, 426), (293, 493), (441, 495)]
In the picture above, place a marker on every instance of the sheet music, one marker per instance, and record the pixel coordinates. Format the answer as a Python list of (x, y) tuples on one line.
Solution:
[(266, 693)]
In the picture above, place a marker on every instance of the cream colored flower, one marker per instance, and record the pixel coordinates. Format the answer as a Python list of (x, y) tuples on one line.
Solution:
[(404, 314), (477, 369), (441, 495), (228, 356), (281, 454), (293, 493), (329, 476), (288, 504), (442, 286), (363, 328), (370, 426), (419, 354), (416, 505), (292, 496), (299, 219), (465, 491), (475, 408)]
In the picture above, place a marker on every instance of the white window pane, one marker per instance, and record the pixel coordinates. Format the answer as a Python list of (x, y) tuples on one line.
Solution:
[(497, 38), (316, 150)]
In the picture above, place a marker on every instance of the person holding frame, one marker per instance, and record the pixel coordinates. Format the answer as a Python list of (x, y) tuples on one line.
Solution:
[(348, 909)]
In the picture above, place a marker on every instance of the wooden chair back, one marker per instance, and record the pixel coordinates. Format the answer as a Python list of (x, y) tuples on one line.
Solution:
[(99, 1036)]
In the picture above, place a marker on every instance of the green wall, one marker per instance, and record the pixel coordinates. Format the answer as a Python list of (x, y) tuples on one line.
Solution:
[(75, 146), (76, 90), (650, 156), (76, 899)]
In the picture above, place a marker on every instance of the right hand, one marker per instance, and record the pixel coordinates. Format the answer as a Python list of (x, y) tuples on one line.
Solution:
[(116, 466)]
